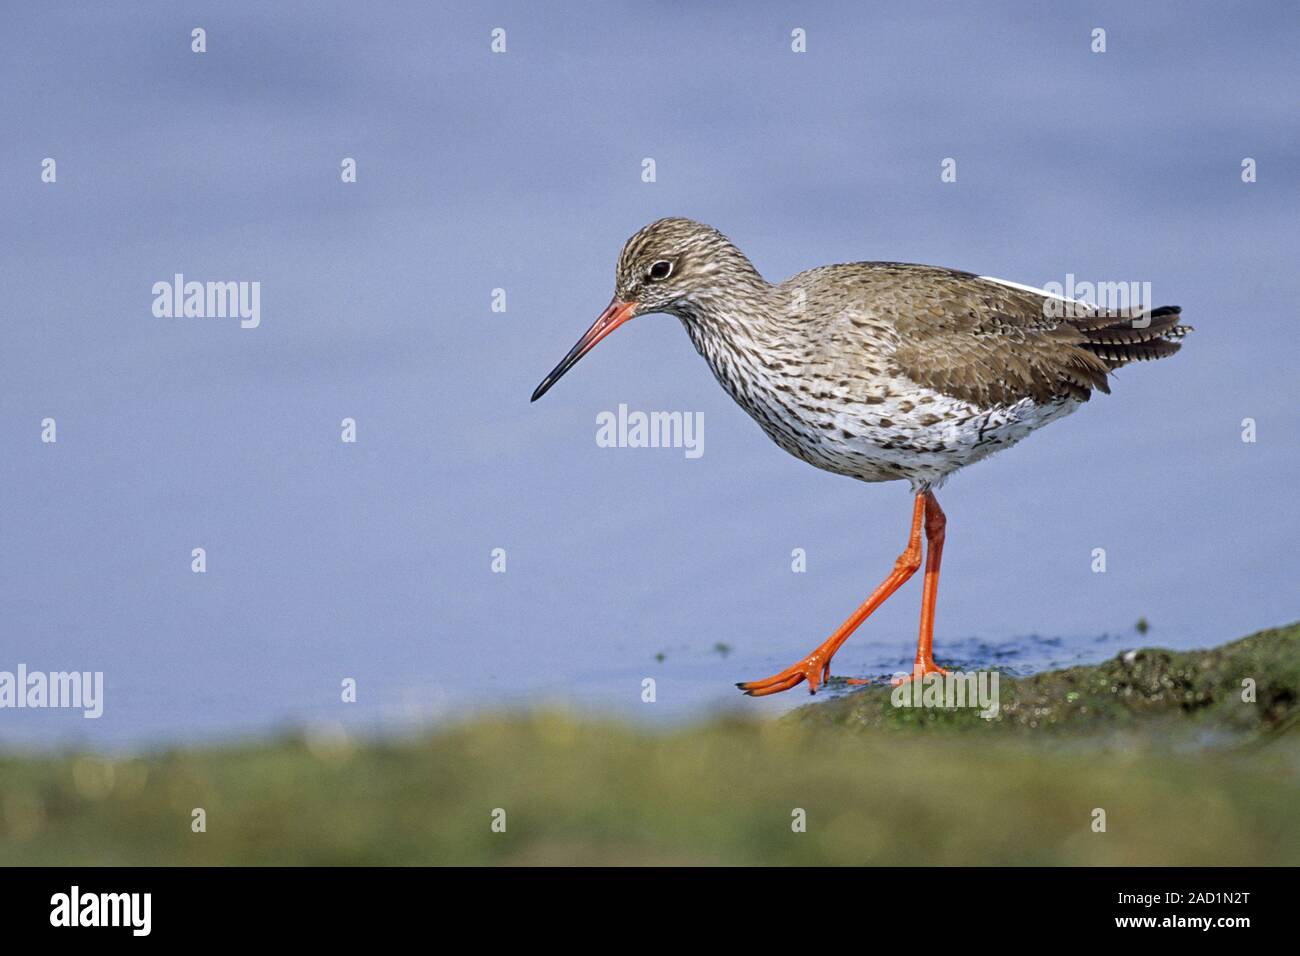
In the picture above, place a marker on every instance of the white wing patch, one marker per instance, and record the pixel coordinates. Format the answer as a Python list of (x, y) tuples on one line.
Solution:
[(1029, 288)]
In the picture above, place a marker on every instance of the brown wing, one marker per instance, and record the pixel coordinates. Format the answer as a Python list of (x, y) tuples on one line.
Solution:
[(988, 343)]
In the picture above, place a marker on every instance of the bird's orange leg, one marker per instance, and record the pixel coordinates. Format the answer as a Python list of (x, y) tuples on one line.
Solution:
[(816, 667), (935, 524)]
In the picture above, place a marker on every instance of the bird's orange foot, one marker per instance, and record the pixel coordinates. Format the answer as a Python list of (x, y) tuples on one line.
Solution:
[(815, 669), (920, 669)]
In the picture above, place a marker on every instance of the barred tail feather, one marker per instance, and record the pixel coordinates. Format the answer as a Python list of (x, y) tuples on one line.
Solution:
[(1132, 335)]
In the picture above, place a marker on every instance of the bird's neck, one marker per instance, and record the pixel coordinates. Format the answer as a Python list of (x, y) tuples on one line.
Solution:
[(742, 328), (729, 314)]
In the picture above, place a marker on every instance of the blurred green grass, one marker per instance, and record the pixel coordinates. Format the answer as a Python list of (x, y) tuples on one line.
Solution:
[(877, 786)]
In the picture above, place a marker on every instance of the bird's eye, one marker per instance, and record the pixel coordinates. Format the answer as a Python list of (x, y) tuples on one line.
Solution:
[(660, 270)]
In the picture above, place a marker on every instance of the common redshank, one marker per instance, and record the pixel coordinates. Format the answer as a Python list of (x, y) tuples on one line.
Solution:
[(880, 371)]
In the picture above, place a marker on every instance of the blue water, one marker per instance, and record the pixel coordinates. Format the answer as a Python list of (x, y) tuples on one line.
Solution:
[(691, 680)]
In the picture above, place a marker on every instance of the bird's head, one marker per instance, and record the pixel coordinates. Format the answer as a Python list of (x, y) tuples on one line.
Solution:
[(673, 265)]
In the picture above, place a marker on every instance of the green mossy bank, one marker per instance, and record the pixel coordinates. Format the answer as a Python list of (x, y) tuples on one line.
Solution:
[(1233, 693), (1185, 771)]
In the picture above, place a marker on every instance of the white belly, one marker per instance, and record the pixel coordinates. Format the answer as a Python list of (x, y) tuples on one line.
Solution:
[(923, 438)]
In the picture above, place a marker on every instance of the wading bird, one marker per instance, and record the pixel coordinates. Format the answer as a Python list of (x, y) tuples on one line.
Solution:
[(881, 371)]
